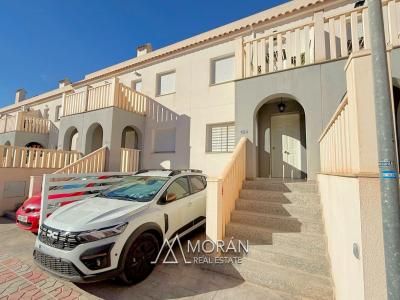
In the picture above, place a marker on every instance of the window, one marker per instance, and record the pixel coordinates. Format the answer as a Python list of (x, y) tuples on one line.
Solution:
[(180, 187), (164, 140), (221, 137), (222, 69), (166, 83), (58, 113), (137, 86), (198, 183)]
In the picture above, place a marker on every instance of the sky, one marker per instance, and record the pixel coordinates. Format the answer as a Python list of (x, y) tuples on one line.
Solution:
[(44, 41)]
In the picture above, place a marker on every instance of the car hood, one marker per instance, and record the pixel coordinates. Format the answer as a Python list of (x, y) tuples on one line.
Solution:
[(93, 213)]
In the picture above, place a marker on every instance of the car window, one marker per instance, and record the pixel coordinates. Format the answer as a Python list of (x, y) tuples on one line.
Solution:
[(197, 183), (135, 188), (180, 187)]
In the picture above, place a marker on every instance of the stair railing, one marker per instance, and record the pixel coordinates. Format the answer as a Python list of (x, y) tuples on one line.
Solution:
[(223, 191), (92, 163)]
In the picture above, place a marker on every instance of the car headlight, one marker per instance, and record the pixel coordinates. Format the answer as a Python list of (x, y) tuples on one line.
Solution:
[(95, 235)]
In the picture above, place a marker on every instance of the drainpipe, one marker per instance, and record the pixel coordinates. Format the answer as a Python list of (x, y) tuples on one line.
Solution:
[(386, 151)]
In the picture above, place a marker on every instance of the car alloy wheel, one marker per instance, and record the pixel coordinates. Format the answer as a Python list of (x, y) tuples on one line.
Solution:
[(138, 264)]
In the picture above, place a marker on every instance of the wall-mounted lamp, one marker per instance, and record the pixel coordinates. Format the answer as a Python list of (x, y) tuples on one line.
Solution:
[(281, 107)]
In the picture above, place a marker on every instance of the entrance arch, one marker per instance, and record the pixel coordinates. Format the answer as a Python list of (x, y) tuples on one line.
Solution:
[(129, 138), (71, 139), (281, 136), (34, 145), (94, 138)]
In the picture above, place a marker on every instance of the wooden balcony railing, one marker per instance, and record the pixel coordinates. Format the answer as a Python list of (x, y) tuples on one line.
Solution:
[(222, 192), (110, 94), (336, 143), (25, 122), (325, 36), (129, 160), (91, 163), (22, 157)]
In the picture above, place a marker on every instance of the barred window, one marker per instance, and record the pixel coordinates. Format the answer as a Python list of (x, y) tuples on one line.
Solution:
[(221, 137)]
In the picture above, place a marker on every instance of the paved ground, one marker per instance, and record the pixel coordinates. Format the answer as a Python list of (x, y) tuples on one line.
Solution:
[(20, 279)]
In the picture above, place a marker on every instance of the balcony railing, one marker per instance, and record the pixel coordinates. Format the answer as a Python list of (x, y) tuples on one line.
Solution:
[(25, 122), (325, 36), (110, 94), (129, 160), (22, 157)]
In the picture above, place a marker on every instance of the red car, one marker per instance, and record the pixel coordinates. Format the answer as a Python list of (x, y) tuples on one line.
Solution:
[(28, 215)]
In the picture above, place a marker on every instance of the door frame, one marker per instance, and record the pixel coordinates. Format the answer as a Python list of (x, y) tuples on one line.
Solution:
[(270, 137)]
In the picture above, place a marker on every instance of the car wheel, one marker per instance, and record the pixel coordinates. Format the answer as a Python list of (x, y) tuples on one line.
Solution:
[(138, 264)]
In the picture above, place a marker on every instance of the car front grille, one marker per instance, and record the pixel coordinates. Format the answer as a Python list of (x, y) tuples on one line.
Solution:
[(58, 239), (57, 265)]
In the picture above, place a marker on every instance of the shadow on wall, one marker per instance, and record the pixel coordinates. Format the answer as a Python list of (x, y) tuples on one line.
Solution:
[(167, 138)]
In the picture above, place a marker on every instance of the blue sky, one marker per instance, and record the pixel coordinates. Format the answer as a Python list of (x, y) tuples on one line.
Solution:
[(44, 41)]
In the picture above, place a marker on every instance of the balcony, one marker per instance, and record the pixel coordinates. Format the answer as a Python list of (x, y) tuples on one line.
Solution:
[(111, 94), (323, 36), (24, 122)]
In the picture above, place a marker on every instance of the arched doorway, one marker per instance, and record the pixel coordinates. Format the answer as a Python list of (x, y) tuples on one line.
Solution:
[(7, 143), (281, 130), (34, 145), (71, 139), (94, 138), (129, 138)]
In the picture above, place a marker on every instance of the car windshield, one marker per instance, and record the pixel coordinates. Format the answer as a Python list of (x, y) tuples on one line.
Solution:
[(135, 188)]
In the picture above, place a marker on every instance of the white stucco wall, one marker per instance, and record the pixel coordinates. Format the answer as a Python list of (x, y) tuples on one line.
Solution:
[(352, 215)]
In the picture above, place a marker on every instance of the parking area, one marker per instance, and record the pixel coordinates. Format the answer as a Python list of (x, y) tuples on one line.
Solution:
[(21, 279)]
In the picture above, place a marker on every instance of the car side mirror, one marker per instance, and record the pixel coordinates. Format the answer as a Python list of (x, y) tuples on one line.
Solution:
[(170, 197)]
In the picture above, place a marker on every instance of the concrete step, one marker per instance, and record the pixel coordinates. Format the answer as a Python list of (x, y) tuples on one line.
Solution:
[(286, 257), (298, 199), (278, 223), (281, 256), (270, 185), (313, 244), (11, 215), (284, 279), (279, 209)]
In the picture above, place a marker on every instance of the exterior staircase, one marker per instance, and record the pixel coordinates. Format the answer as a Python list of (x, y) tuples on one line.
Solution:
[(287, 253)]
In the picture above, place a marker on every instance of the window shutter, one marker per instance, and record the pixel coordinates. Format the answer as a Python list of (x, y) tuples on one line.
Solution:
[(222, 138)]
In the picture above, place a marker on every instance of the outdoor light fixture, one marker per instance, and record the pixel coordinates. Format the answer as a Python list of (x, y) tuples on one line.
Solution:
[(281, 107)]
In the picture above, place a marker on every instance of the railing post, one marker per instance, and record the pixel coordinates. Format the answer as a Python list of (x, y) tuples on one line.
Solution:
[(63, 103), (239, 57), (19, 121), (319, 37), (114, 91), (214, 209), (86, 98)]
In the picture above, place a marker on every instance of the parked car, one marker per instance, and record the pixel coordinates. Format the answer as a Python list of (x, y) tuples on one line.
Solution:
[(120, 232), (28, 214)]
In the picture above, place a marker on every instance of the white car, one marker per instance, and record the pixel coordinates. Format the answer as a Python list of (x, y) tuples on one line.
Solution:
[(119, 232)]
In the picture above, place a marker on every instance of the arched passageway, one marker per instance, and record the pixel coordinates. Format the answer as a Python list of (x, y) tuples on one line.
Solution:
[(129, 138), (34, 145), (71, 139), (281, 135), (94, 138)]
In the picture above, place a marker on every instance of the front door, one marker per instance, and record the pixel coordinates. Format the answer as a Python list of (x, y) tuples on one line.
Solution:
[(286, 146)]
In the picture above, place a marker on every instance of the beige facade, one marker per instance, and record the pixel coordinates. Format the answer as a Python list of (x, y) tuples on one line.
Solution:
[(208, 103)]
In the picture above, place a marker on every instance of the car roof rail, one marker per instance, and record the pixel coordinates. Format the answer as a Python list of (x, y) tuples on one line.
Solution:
[(172, 172)]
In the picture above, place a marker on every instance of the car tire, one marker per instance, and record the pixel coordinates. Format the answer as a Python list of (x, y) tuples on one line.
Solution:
[(137, 265)]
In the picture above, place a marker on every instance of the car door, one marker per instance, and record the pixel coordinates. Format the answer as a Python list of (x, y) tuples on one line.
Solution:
[(175, 212), (197, 205)]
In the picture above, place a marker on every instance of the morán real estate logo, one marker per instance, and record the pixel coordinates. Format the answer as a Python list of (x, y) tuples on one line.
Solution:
[(200, 251)]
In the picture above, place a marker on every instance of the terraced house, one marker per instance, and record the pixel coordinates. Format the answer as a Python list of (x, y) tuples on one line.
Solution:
[(275, 108)]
